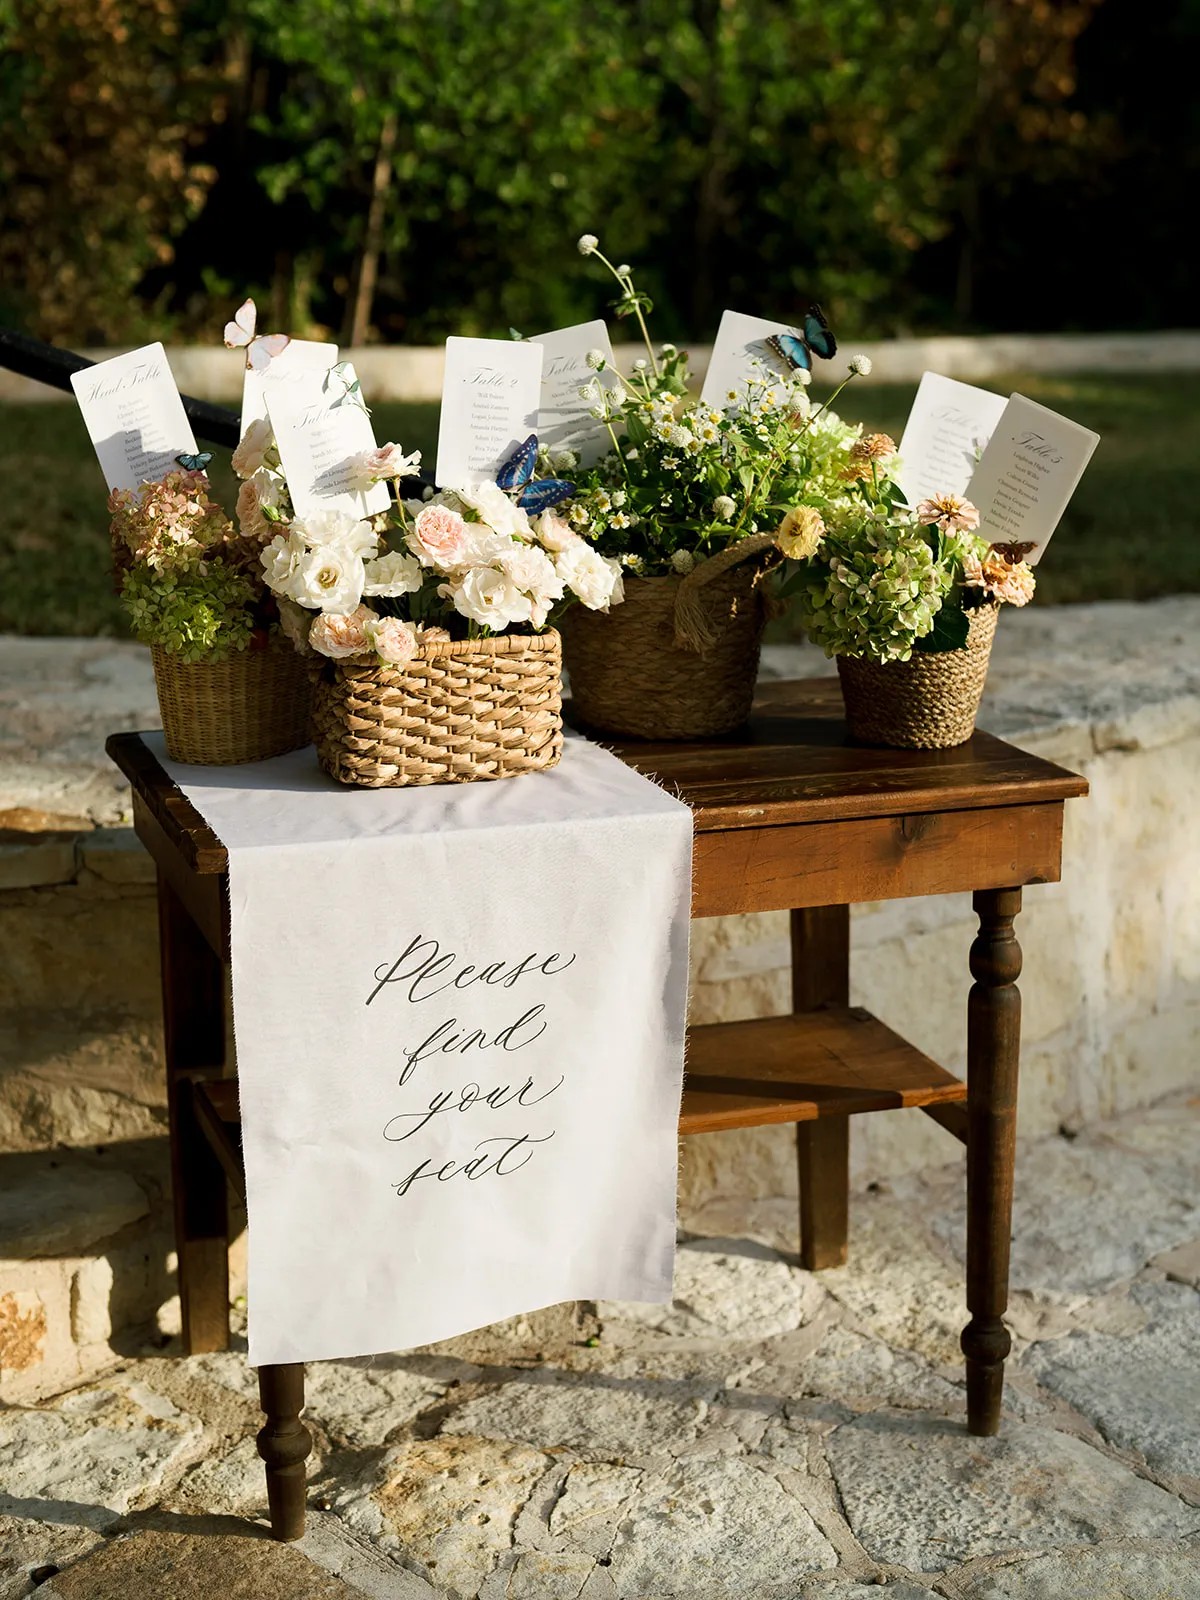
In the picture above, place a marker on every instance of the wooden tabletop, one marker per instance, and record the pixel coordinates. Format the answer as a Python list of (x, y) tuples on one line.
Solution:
[(793, 763)]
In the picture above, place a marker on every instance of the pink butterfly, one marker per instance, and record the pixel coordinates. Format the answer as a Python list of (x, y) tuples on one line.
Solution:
[(260, 348)]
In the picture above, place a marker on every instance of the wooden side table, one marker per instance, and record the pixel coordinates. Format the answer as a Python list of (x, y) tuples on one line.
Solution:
[(788, 816)]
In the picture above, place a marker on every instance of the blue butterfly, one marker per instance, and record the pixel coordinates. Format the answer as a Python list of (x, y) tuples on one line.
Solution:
[(814, 339), (517, 473), (195, 463)]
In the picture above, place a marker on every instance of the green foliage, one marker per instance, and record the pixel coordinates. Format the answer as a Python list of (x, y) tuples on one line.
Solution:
[(200, 614)]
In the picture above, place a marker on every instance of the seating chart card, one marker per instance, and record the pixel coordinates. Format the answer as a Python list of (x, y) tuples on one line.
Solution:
[(320, 427), (741, 341), (1028, 474), (565, 421), (490, 394), (300, 356), (134, 416), (947, 431)]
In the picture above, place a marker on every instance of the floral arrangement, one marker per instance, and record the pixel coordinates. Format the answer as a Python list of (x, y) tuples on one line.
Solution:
[(684, 480), (886, 579), (466, 563), (189, 583)]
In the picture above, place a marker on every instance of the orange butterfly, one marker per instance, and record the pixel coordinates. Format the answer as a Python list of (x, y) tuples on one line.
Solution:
[(260, 348)]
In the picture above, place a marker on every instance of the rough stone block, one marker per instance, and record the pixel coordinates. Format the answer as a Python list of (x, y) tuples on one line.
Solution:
[(60, 1203), (116, 856), (27, 861)]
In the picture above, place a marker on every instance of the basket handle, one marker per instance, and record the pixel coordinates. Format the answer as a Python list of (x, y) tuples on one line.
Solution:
[(693, 627)]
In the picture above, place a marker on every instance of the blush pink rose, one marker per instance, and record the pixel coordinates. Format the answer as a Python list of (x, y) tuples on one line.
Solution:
[(392, 640), (440, 538), (340, 634)]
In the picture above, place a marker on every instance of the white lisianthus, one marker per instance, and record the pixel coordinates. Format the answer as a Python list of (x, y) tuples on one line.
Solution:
[(723, 508), (587, 244), (391, 574), (329, 579), (594, 578), (280, 559), (860, 366), (489, 597), (252, 447), (393, 641), (348, 533), (268, 487), (536, 577)]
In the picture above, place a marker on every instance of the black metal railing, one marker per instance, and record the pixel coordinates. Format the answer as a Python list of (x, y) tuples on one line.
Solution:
[(46, 363)]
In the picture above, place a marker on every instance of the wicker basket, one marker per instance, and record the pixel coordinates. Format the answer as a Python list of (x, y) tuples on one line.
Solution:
[(630, 677), (244, 707), (928, 702), (457, 712)]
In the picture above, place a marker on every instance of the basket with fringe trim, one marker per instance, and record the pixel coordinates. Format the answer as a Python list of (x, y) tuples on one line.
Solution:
[(928, 702), (243, 707), (678, 658), (459, 711)]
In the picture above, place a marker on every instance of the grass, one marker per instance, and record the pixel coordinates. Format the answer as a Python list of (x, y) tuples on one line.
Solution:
[(1132, 532)]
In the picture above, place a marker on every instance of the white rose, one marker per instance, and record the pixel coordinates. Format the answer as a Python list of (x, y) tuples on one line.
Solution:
[(252, 447), (280, 559), (553, 533), (328, 578), (490, 597), (391, 574), (348, 533), (595, 579)]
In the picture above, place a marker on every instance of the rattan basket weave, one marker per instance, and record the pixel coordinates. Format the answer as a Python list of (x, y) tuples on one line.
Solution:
[(244, 707), (457, 712), (928, 702), (630, 677)]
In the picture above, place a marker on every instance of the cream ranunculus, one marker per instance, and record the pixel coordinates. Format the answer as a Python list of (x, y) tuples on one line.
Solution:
[(391, 574), (594, 578), (252, 447), (392, 640), (488, 596), (800, 533), (329, 579), (338, 528), (342, 634)]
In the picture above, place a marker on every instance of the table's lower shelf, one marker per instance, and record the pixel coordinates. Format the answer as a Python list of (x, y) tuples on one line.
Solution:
[(837, 1061)]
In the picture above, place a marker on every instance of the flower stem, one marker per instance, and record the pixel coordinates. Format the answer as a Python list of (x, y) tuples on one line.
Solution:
[(626, 286)]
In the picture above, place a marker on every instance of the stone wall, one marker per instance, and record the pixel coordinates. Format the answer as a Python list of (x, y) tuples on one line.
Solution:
[(1111, 986)]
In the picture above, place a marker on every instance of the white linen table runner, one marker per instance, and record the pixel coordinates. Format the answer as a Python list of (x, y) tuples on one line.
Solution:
[(459, 1013)]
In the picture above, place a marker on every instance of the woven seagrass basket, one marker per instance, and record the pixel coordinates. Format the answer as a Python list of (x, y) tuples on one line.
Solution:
[(928, 702), (631, 675), (244, 707), (459, 711)]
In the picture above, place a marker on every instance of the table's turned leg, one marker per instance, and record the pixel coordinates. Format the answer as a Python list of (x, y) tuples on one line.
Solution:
[(993, 1057), (284, 1443), (194, 1029), (821, 976)]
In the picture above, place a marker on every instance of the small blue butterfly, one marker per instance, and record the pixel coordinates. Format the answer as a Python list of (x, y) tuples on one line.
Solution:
[(517, 473), (196, 463), (814, 339)]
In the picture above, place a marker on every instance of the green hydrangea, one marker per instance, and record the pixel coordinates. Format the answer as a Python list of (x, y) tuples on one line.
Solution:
[(874, 589), (201, 614)]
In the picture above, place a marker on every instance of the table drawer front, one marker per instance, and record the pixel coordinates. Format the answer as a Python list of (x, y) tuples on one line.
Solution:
[(875, 858)]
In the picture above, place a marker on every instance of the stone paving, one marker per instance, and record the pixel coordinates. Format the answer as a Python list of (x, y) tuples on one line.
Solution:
[(773, 1434)]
